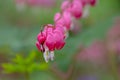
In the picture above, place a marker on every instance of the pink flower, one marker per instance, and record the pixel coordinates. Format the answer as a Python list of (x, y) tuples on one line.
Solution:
[(60, 28), (83, 2), (87, 2), (65, 5), (57, 16), (76, 9), (50, 42), (64, 20), (59, 38), (53, 36), (67, 19), (49, 39), (93, 2)]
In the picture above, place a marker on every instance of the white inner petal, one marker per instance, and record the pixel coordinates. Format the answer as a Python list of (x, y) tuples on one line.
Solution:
[(52, 55), (86, 11), (46, 55)]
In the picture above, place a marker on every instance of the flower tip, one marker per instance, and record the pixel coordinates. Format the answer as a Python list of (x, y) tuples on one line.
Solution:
[(52, 55)]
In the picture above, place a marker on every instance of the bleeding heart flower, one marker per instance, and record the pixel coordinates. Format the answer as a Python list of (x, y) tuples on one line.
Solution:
[(65, 5), (93, 2), (49, 39), (57, 16), (53, 36), (64, 20), (76, 9)]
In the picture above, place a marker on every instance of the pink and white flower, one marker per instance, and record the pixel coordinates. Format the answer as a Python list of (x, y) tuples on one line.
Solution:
[(53, 36), (50, 39)]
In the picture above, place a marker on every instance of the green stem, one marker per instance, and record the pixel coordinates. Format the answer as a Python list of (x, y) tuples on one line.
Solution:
[(27, 77), (113, 65)]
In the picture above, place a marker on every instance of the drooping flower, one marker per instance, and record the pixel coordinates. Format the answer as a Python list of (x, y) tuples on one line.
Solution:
[(63, 19), (93, 2), (50, 39), (53, 36), (76, 9), (65, 5)]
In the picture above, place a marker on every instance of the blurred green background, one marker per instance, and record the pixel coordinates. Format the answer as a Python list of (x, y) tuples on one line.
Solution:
[(18, 30)]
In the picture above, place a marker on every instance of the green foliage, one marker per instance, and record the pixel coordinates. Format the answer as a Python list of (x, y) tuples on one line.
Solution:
[(24, 65)]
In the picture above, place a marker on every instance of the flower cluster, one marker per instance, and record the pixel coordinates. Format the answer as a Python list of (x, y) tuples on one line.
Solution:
[(53, 36)]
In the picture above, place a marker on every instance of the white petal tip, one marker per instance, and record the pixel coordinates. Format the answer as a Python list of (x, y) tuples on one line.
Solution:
[(52, 59)]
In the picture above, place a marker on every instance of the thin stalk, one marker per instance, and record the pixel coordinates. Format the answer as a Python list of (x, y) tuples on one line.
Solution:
[(27, 76), (113, 64)]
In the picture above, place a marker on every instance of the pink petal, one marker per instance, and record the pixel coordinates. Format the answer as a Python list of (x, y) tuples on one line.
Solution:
[(65, 5), (41, 38), (57, 16), (50, 42), (93, 2), (76, 9), (38, 46)]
